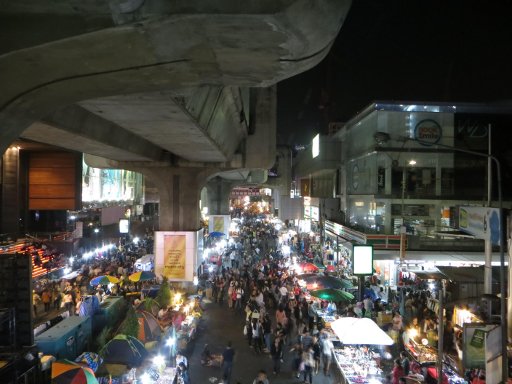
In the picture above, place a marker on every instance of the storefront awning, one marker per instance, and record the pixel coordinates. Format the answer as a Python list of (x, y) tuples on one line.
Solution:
[(459, 274)]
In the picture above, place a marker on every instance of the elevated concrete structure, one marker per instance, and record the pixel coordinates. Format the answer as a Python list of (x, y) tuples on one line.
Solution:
[(151, 84)]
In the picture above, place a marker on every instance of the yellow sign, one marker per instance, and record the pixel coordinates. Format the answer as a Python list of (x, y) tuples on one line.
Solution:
[(175, 256), (218, 224)]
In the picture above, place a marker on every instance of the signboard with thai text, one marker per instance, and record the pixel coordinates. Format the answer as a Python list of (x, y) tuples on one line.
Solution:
[(174, 256)]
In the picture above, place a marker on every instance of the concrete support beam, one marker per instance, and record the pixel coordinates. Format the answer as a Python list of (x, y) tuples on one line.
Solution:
[(179, 191), (76, 128), (218, 191), (260, 149), (256, 44)]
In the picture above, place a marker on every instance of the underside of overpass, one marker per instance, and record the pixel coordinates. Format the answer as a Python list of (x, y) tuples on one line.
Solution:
[(154, 84)]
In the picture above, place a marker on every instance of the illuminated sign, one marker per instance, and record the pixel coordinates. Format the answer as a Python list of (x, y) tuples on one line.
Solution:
[(316, 146), (428, 132), (124, 225), (363, 259), (307, 212), (315, 213)]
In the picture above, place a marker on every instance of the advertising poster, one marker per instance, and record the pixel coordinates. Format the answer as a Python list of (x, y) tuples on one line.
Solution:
[(218, 224), (174, 256), (474, 345), (481, 222), (363, 260)]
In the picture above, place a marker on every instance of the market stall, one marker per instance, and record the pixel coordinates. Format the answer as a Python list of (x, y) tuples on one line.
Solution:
[(425, 355), (357, 356), (183, 318)]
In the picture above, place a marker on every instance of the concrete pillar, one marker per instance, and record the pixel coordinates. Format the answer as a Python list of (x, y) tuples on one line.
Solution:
[(179, 190), (218, 191)]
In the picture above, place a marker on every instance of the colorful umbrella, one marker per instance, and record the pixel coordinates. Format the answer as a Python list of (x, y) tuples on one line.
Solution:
[(104, 280), (332, 295), (142, 276), (330, 268), (68, 372), (216, 234), (323, 282), (125, 350), (308, 267), (91, 359)]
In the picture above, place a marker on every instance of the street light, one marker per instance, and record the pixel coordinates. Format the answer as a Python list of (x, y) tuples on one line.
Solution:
[(503, 291)]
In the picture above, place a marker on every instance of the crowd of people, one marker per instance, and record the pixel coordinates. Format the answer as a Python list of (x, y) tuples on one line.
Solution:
[(253, 279)]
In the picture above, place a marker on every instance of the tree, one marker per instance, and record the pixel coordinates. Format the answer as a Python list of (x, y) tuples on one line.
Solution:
[(130, 325), (163, 296)]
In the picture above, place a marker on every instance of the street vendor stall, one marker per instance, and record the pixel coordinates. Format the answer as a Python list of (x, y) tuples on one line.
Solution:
[(426, 356), (182, 317), (356, 358)]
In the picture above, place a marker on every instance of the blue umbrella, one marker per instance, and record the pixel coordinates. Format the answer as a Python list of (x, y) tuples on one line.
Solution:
[(217, 234)]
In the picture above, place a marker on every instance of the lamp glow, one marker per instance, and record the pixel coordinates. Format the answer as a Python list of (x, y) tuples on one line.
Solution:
[(159, 360), (171, 342), (145, 378)]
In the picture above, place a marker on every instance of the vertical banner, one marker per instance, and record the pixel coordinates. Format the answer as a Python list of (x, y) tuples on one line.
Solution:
[(174, 256), (218, 224)]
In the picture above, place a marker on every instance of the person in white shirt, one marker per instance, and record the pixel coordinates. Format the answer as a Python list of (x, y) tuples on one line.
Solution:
[(181, 359)]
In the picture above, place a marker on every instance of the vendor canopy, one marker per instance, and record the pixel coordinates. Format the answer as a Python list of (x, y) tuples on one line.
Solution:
[(353, 330), (459, 274)]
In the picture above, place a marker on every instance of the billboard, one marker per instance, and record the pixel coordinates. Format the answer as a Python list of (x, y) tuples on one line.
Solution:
[(124, 225), (474, 340), (362, 259), (174, 256), (177, 254), (481, 222), (219, 223)]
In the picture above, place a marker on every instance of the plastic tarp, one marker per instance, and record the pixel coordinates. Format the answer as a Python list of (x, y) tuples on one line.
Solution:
[(90, 305), (364, 331)]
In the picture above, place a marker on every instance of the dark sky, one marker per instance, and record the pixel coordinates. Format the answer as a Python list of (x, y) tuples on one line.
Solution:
[(409, 50)]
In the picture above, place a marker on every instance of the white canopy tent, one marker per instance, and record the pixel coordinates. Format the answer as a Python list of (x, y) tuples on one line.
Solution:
[(353, 330), (145, 263)]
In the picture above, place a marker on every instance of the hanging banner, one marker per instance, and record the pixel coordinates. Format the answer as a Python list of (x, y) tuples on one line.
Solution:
[(174, 256)]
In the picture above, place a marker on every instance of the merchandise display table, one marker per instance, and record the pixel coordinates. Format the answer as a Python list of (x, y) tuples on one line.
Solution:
[(358, 365)]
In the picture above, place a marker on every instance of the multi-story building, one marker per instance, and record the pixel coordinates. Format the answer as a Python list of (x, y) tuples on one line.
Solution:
[(402, 164)]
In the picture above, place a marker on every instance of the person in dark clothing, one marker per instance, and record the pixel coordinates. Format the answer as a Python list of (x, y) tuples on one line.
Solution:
[(406, 364), (182, 372), (276, 351), (227, 363)]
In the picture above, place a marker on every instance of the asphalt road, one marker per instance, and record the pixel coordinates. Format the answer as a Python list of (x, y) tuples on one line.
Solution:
[(220, 325)]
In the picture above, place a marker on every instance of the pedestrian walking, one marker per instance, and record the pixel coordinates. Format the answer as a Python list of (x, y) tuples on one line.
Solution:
[(276, 351), (228, 356)]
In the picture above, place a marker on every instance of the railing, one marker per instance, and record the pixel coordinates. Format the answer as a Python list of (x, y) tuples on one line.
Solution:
[(385, 241)]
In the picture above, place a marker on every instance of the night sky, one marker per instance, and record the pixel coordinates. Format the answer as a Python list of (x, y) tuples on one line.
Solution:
[(410, 50)]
